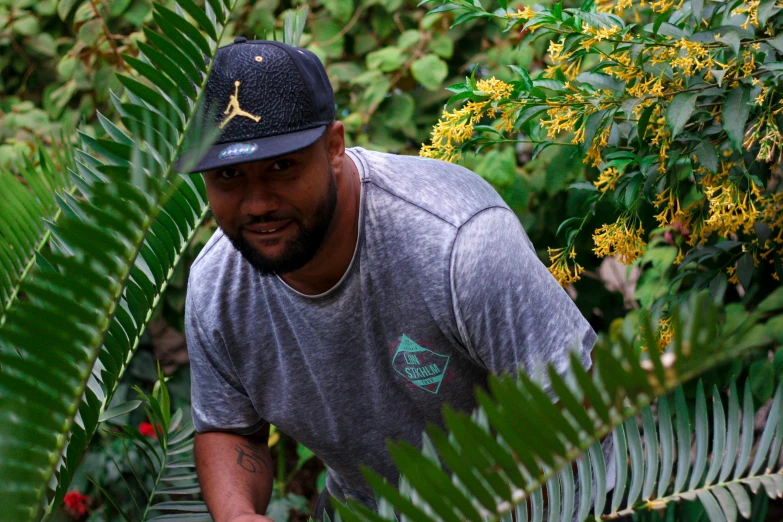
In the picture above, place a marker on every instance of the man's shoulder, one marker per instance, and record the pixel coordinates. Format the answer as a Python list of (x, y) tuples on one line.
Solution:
[(217, 265), (447, 191)]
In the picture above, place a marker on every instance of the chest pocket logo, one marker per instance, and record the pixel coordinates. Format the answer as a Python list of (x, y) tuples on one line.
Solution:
[(420, 366)]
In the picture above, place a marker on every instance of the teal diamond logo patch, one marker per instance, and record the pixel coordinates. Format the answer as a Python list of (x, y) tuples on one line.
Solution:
[(420, 366)]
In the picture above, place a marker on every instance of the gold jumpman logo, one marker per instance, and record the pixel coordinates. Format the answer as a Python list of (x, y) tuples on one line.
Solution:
[(233, 108)]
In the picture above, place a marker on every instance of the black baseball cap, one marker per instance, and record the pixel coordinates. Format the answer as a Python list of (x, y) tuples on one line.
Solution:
[(266, 99)]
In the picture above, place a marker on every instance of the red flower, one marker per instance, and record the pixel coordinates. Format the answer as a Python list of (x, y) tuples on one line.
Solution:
[(76, 504), (146, 429)]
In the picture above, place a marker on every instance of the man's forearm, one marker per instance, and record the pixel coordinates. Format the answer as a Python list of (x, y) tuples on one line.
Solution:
[(234, 472)]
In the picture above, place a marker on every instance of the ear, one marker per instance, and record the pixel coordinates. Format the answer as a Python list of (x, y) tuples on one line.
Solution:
[(335, 145)]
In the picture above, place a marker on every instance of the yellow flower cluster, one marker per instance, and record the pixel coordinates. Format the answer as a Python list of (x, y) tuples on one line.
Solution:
[(526, 13), (620, 239), (766, 133), (670, 203), (457, 126), (561, 61), (751, 9), (619, 7), (692, 58), (598, 35), (607, 180), (593, 156), (660, 6), (664, 335), (560, 268), (731, 210)]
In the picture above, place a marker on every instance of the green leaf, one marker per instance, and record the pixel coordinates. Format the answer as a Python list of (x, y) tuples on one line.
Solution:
[(398, 110), (120, 409), (746, 442), (620, 466), (745, 268), (777, 42), (637, 461), (683, 440), (765, 11), (702, 435), (711, 506), (769, 430), (679, 111), (442, 45), (732, 439), (340, 10), (600, 81), (523, 76), (430, 71), (761, 375), (387, 59), (64, 8), (651, 452), (727, 504), (735, 114), (773, 302), (741, 498), (707, 155), (732, 40), (718, 436), (470, 15), (199, 16)]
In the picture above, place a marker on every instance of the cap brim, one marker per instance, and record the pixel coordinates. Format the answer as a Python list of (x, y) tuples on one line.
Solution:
[(268, 147)]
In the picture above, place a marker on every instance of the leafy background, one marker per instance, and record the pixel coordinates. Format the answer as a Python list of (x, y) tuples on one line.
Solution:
[(389, 65)]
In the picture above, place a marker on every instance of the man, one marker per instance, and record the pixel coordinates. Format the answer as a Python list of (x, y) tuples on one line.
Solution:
[(348, 294)]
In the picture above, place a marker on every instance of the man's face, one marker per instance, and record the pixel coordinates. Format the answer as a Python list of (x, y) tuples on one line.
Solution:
[(276, 212)]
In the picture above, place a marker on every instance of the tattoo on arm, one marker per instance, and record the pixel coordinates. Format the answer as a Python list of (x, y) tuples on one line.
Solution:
[(250, 459)]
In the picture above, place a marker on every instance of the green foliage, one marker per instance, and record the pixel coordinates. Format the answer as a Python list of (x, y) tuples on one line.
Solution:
[(166, 455), (111, 254), (676, 109)]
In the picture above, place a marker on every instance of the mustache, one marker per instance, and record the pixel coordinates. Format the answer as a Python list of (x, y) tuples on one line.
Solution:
[(268, 218)]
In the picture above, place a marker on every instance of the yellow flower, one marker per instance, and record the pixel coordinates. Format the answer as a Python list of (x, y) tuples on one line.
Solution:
[(527, 13), (607, 180), (751, 9), (457, 126), (620, 239), (560, 268)]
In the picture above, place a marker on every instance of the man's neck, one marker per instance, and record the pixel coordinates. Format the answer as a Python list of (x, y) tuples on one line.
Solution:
[(334, 257)]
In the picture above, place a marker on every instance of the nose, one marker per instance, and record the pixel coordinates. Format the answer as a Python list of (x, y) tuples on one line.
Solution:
[(260, 198)]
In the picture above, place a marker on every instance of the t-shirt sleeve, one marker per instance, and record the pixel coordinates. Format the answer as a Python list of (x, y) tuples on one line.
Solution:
[(219, 401), (510, 310)]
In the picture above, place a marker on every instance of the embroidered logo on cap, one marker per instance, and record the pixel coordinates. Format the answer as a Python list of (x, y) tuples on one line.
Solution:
[(234, 109), (238, 149)]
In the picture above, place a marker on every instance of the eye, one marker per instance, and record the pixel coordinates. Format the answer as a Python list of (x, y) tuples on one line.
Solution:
[(227, 173), (282, 164)]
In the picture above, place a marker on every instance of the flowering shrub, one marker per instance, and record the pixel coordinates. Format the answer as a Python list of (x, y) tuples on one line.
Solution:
[(674, 108)]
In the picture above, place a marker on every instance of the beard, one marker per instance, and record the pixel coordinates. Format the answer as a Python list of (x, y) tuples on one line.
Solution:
[(299, 250)]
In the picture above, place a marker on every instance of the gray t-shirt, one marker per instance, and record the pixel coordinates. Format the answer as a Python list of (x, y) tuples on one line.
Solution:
[(444, 287)]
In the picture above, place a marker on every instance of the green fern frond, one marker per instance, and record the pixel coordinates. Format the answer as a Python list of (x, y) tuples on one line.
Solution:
[(169, 461), (519, 444), (113, 252), (38, 193)]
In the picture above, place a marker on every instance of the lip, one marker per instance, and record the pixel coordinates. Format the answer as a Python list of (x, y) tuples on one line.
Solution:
[(257, 231)]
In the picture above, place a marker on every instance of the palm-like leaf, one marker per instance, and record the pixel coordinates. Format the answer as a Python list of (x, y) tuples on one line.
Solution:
[(168, 458), (37, 195), (518, 442), (114, 252)]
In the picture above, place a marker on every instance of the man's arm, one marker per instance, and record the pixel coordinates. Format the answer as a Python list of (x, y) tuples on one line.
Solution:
[(235, 474)]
